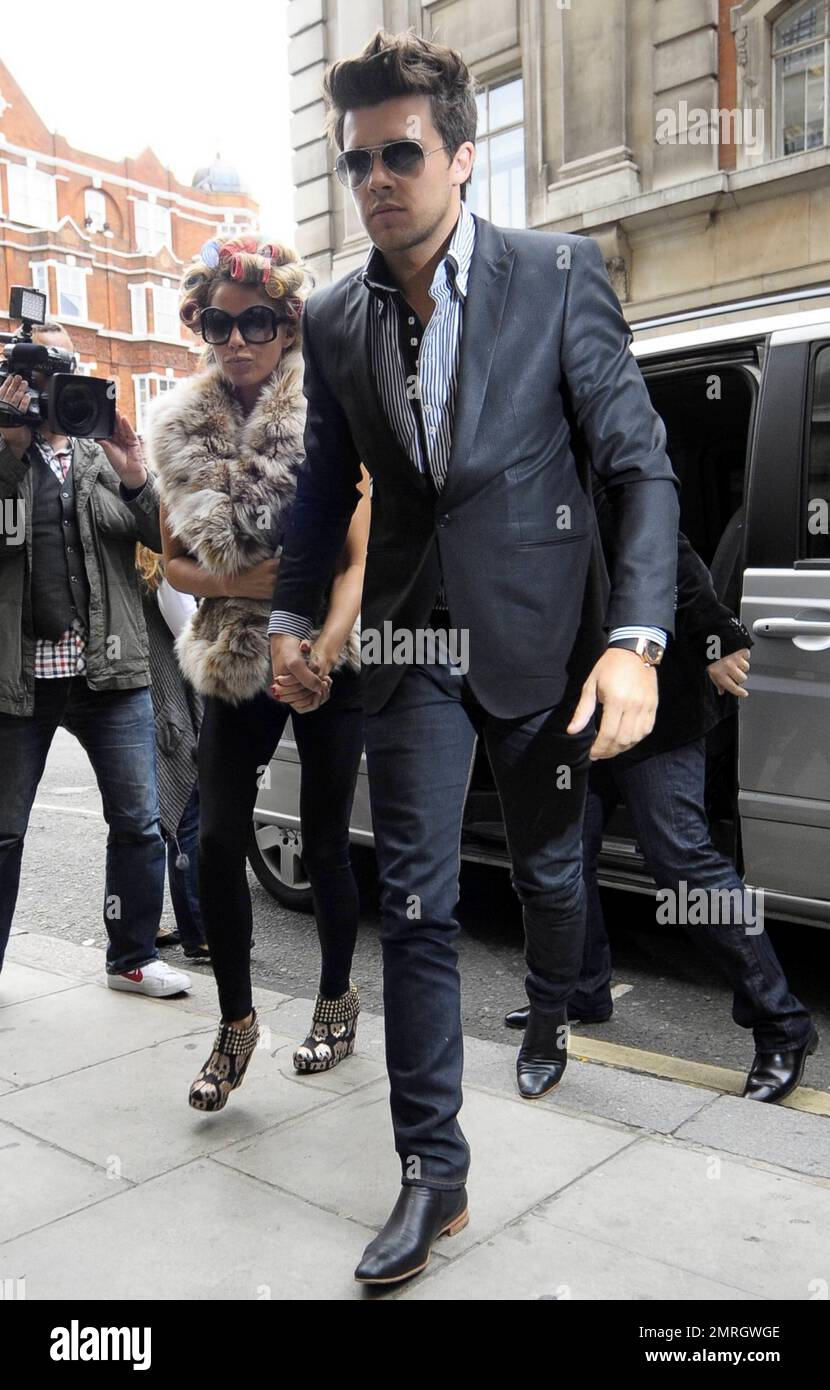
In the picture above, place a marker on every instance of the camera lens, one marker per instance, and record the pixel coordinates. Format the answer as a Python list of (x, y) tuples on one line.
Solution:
[(78, 408)]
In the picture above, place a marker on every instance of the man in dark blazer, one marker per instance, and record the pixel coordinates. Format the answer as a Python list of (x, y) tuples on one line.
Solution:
[(455, 365), (662, 781)]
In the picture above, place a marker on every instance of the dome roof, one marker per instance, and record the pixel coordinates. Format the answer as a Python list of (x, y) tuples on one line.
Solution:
[(218, 177)]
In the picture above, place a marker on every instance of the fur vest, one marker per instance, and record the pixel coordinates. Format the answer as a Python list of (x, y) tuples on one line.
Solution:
[(227, 483)]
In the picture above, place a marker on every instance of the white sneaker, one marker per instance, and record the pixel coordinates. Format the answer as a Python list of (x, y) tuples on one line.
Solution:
[(156, 978)]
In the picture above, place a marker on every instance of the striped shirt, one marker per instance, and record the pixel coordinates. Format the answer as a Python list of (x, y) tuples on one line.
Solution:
[(66, 656), (416, 372)]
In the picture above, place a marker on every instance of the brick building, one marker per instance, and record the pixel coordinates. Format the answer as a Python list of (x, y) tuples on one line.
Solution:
[(107, 240)]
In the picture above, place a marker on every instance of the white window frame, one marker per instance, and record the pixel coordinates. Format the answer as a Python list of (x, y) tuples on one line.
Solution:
[(170, 312), (40, 281), (95, 199), (142, 400), (138, 310), (153, 227), (484, 140), (778, 54), (33, 196), (74, 276)]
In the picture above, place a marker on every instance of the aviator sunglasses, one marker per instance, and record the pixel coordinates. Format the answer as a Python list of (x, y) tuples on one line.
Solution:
[(403, 158), (257, 324)]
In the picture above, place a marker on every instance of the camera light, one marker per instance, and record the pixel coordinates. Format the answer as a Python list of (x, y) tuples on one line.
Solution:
[(26, 303)]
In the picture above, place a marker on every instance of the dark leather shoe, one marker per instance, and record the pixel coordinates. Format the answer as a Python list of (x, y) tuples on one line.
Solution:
[(543, 1054), (774, 1075), (517, 1018), (419, 1217)]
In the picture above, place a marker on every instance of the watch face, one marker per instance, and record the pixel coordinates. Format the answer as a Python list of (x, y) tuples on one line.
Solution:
[(654, 652)]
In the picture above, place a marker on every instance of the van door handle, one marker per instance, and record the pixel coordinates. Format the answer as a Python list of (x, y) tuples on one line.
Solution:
[(790, 627)]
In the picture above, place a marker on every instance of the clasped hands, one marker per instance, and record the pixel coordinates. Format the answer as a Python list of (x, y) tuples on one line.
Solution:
[(301, 673)]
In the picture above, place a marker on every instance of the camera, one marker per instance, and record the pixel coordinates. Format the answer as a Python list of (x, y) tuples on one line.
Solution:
[(83, 407)]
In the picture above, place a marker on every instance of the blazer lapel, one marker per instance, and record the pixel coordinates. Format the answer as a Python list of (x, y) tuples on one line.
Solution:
[(487, 287)]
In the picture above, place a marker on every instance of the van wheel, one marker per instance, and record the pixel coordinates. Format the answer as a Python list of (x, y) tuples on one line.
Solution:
[(275, 855)]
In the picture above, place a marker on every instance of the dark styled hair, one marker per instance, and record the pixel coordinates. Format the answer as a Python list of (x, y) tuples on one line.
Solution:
[(396, 65)]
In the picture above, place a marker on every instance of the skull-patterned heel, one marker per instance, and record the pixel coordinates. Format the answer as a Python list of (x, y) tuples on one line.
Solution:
[(226, 1066), (332, 1035)]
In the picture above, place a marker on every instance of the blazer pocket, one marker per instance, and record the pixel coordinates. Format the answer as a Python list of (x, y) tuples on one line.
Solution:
[(560, 538)]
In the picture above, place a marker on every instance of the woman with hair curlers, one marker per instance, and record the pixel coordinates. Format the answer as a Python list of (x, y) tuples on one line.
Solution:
[(227, 445)]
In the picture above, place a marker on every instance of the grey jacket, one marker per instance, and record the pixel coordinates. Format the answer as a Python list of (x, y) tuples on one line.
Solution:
[(117, 655)]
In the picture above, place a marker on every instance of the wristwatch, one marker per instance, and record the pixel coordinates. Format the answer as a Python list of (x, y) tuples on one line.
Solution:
[(649, 651)]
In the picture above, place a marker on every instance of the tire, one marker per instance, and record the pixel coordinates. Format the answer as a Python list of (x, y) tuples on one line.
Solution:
[(275, 855)]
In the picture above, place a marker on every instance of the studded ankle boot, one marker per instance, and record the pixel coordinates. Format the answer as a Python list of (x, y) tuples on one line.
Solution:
[(226, 1066), (332, 1035)]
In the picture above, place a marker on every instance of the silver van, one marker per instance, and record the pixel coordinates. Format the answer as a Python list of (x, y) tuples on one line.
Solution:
[(746, 406)]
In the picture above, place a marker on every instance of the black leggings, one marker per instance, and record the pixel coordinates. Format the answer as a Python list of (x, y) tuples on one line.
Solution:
[(235, 745)]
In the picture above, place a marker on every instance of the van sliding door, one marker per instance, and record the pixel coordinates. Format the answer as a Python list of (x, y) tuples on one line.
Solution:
[(784, 725)]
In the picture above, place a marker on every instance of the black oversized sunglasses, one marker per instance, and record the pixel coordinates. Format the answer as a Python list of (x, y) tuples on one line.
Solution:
[(257, 324), (403, 158)]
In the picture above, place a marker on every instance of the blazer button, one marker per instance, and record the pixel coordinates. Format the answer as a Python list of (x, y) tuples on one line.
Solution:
[(444, 520)]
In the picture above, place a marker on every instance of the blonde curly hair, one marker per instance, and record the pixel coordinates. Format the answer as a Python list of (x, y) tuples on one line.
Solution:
[(247, 260)]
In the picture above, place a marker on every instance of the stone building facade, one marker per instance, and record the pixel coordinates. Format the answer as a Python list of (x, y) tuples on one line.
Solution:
[(690, 138)]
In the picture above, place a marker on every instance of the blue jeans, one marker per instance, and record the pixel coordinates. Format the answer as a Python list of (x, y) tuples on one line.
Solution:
[(184, 882), (116, 729), (419, 751), (665, 798)]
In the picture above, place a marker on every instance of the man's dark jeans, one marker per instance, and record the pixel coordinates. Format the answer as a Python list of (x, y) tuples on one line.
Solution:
[(116, 729), (419, 750), (665, 799)]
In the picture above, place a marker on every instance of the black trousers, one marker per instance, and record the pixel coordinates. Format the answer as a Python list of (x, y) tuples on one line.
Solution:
[(236, 744)]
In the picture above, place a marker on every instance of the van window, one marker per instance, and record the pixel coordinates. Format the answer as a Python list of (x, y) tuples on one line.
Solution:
[(707, 412), (816, 516)]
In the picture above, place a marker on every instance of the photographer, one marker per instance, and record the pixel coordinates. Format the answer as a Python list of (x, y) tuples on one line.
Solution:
[(73, 653)]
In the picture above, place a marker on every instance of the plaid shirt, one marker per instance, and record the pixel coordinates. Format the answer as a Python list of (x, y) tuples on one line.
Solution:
[(66, 657)]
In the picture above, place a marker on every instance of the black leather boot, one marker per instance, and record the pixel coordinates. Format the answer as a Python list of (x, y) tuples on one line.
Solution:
[(403, 1247), (543, 1054), (774, 1075), (517, 1018)]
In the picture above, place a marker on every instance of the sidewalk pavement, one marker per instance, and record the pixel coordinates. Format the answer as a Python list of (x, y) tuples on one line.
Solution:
[(619, 1185)]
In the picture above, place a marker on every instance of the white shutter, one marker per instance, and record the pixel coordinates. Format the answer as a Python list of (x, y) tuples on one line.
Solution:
[(138, 304)]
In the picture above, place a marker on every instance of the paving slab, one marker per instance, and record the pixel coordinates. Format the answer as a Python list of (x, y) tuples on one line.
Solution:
[(709, 1213), (56, 1034), (87, 962), (202, 1232), (343, 1158), (54, 954), (39, 1183), (20, 982), (787, 1138), (533, 1260), (629, 1097), (131, 1114)]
